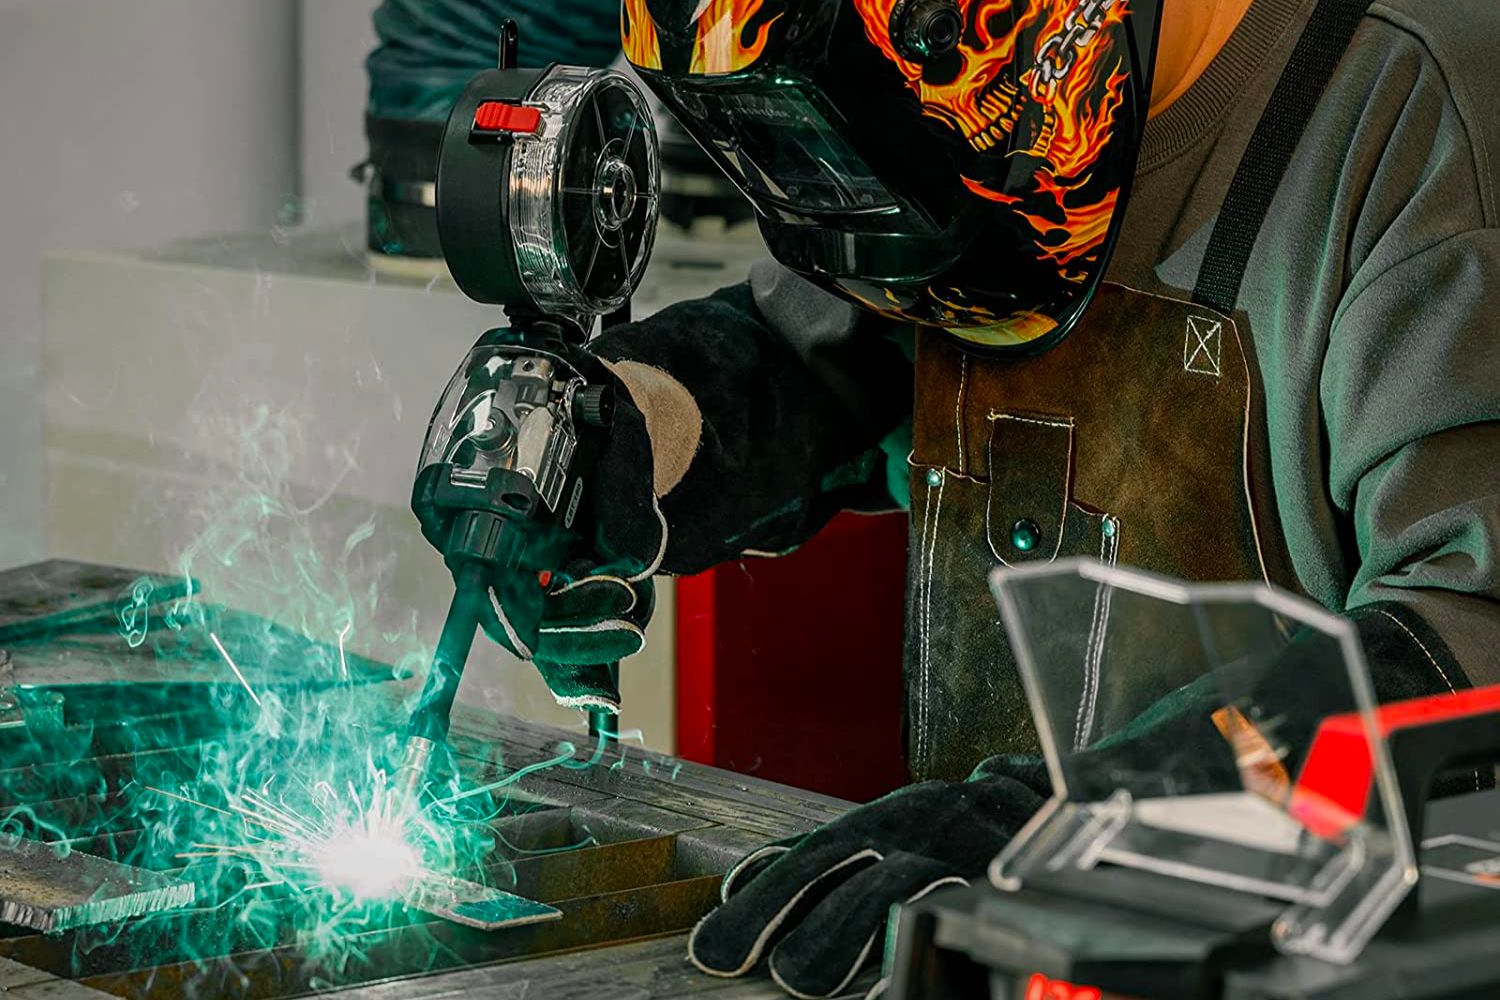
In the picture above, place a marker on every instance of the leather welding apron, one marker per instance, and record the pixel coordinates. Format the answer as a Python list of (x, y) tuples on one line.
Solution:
[(1139, 440)]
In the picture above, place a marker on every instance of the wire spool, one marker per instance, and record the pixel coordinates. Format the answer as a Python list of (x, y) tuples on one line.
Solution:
[(572, 229)]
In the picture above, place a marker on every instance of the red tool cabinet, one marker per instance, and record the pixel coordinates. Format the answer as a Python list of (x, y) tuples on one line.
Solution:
[(790, 669)]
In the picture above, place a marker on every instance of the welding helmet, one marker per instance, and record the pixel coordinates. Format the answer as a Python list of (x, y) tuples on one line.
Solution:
[(958, 163)]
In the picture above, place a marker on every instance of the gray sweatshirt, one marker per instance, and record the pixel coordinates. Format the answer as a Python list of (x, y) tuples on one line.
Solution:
[(1374, 301)]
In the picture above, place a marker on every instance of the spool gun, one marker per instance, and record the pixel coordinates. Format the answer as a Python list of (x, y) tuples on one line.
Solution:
[(547, 204)]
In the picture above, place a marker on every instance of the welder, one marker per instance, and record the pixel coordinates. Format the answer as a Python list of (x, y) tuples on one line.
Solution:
[(1206, 287)]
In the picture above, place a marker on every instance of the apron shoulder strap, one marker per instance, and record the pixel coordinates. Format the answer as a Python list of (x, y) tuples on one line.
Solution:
[(1317, 54)]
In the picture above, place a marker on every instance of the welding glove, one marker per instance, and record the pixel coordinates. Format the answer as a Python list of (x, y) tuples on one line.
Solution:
[(592, 612), (816, 905)]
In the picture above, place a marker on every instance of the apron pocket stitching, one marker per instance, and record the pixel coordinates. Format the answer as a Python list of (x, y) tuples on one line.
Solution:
[(919, 624), (1083, 723), (1040, 421), (958, 412), (925, 680)]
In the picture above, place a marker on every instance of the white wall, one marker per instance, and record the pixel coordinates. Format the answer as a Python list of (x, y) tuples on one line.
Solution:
[(336, 36), (125, 124)]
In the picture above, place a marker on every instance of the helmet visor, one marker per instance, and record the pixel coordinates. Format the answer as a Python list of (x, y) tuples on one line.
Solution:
[(775, 138)]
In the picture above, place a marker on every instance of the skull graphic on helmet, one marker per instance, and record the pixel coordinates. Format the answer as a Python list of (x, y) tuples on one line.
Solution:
[(1033, 79), (974, 87)]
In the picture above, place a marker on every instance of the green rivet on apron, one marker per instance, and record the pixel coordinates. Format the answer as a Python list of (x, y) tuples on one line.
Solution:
[(1024, 534), (934, 477), (1108, 528)]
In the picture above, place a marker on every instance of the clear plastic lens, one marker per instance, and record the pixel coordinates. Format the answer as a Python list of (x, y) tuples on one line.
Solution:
[(583, 192), (1180, 724), (505, 408)]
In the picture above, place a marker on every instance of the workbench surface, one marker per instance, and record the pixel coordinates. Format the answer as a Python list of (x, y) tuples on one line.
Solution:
[(630, 848)]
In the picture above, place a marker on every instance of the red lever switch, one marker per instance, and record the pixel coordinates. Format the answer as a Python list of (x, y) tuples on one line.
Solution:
[(498, 117)]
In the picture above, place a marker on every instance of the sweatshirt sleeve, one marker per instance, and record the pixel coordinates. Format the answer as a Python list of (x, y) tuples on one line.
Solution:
[(797, 391), (1411, 392), (1397, 397)]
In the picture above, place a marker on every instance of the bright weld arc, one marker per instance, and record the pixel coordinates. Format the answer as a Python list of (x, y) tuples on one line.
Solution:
[(256, 546), (337, 849), (227, 659)]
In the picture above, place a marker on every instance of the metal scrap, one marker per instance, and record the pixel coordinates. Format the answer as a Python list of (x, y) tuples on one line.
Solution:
[(474, 905), (42, 711), (10, 707), (48, 890), (48, 598)]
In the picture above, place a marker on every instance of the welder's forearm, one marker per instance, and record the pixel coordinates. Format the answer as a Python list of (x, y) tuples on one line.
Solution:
[(782, 440)]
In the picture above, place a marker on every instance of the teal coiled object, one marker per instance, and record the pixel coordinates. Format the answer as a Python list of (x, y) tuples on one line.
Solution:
[(428, 52)]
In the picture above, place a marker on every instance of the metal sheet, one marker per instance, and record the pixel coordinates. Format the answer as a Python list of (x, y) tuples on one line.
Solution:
[(646, 970), (47, 892), (267, 654), (474, 905), (42, 598)]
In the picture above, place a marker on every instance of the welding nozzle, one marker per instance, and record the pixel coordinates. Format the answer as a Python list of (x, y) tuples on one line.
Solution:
[(411, 776)]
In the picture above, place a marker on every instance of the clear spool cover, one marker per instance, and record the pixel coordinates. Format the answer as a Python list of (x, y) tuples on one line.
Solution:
[(504, 409), (1178, 720), (584, 191)]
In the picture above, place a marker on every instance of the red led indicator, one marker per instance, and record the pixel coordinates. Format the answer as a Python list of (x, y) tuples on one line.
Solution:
[(497, 116), (1039, 987)]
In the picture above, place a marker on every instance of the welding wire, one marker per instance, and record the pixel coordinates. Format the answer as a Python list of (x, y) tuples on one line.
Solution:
[(510, 779), (563, 759), (184, 799), (589, 840), (253, 696)]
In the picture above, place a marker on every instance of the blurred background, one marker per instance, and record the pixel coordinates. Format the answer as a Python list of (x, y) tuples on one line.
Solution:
[(223, 329)]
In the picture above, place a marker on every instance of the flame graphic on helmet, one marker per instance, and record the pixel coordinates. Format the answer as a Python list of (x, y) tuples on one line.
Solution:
[(720, 45), (638, 36), (978, 97), (992, 96)]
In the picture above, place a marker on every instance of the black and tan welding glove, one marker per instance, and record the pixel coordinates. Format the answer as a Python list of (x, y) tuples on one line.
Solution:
[(593, 611), (815, 907)]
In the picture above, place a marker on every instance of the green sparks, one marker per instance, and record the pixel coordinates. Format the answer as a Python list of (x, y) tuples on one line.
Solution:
[(266, 781)]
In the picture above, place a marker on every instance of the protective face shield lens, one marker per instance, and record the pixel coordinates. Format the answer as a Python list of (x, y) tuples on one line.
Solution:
[(774, 136)]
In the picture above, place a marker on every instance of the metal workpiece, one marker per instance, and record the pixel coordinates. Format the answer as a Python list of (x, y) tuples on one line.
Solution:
[(22, 982), (49, 888), (47, 597), (473, 905), (10, 705), (621, 848), (95, 626)]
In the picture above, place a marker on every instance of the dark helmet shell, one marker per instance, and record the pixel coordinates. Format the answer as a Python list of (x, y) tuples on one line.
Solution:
[(959, 163)]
